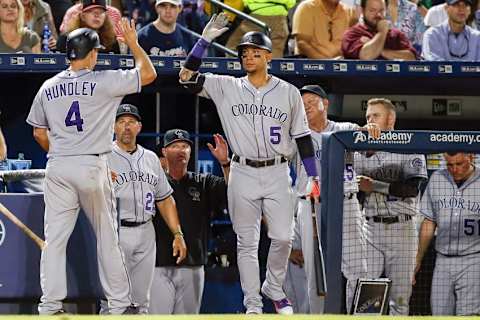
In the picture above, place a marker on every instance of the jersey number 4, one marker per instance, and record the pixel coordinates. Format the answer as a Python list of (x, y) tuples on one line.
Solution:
[(73, 117)]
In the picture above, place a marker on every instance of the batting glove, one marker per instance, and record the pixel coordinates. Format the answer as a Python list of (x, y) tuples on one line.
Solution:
[(215, 27)]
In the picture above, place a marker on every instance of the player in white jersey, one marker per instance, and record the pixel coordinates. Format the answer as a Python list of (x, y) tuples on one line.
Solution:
[(391, 185), (451, 207), (140, 186), (73, 115), (263, 119), (353, 261)]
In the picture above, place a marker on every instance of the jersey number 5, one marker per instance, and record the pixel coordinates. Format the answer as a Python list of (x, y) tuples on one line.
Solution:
[(275, 134), (73, 117)]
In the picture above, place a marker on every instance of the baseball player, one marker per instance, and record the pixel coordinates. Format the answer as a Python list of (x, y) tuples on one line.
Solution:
[(391, 184), (263, 118), (450, 205), (316, 105), (73, 115), (140, 185)]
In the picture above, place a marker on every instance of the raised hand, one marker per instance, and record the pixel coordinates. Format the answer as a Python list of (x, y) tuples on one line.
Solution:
[(127, 32), (215, 27), (220, 150)]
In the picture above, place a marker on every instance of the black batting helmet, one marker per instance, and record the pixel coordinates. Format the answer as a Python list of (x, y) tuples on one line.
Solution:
[(81, 41), (255, 39)]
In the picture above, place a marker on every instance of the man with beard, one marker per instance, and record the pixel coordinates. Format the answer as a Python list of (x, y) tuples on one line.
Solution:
[(374, 38)]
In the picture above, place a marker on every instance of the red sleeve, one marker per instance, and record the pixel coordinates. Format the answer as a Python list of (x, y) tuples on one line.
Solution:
[(405, 43), (351, 44)]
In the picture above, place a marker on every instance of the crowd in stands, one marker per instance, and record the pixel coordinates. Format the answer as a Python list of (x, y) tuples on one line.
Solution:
[(314, 29)]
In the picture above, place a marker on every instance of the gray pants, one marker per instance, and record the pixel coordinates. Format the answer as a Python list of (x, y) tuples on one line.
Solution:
[(392, 248), (456, 285), (71, 182), (251, 193), (138, 244), (177, 290)]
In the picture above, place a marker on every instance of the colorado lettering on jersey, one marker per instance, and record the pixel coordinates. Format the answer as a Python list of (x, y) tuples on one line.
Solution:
[(457, 203), (134, 176), (84, 88), (259, 110), (386, 173)]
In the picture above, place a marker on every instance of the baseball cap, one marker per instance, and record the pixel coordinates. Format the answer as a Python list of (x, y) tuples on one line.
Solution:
[(174, 2), (90, 4), (129, 109), (451, 2), (315, 89), (175, 135)]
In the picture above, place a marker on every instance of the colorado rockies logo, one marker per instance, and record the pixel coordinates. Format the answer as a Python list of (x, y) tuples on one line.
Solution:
[(179, 134), (3, 232)]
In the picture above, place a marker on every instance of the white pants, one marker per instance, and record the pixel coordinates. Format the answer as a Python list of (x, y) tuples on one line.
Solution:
[(177, 290)]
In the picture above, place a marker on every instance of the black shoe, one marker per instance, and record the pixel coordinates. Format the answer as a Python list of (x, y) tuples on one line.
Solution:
[(132, 309), (59, 313)]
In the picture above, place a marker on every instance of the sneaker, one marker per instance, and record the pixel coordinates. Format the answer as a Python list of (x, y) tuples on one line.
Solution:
[(253, 311), (59, 312), (283, 306), (132, 309)]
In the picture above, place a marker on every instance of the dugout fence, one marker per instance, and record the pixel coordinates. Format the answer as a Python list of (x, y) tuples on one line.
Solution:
[(334, 148)]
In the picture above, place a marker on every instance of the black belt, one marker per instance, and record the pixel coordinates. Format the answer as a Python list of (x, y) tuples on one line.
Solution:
[(348, 196), (258, 163), (126, 223), (388, 220)]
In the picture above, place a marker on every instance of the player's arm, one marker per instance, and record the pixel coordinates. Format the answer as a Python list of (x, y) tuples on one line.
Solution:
[(427, 231), (168, 210), (189, 76), (41, 136), (142, 62), (307, 154), (220, 152), (401, 189)]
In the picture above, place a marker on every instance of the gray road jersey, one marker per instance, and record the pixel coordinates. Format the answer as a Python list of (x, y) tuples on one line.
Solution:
[(390, 167), (456, 210), (140, 182), (350, 184), (259, 123), (78, 109)]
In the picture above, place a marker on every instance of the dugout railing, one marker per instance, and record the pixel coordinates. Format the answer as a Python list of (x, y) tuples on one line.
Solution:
[(334, 146)]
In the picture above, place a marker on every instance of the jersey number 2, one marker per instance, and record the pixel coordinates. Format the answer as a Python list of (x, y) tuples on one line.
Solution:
[(73, 117)]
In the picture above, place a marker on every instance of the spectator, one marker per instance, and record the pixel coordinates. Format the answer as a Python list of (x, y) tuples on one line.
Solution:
[(139, 10), (177, 288), (404, 15), (112, 12), (374, 38), (94, 16), (162, 37), (436, 15), (453, 39), (450, 209), (14, 37), (318, 28), (37, 14), (274, 14)]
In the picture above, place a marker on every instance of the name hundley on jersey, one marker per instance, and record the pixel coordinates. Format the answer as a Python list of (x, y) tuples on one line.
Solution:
[(84, 88), (457, 203), (259, 110), (134, 176)]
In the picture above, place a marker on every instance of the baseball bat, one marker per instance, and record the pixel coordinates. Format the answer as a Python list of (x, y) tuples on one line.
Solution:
[(40, 243), (320, 278)]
